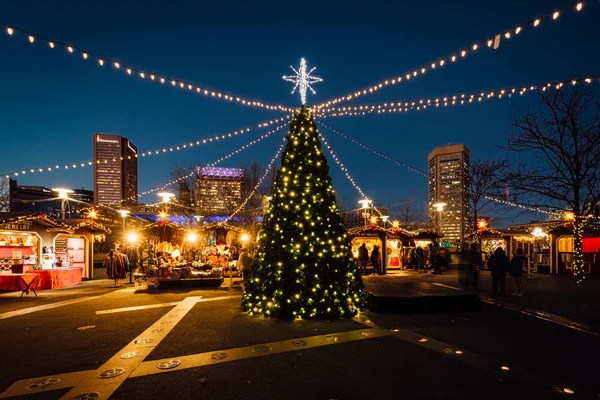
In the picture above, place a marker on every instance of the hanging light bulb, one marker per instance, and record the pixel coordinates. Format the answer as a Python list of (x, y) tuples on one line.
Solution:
[(51, 44), (31, 39), (10, 31)]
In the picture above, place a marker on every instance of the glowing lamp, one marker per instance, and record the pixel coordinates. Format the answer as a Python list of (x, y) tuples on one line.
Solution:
[(132, 237), (63, 193), (163, 215), (92, 214), (440, 206), (373, 220), (365, 203), (165, 196), (396, 223), (569, 216), (385, 218), (123, 213), (192, 237), (481, 223), (245, 238)]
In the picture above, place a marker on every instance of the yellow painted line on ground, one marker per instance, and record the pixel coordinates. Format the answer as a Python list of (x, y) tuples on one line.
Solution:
[(44, 307), (241, 353), (137, 308), (46, 383), (117, 369), (447, 286)]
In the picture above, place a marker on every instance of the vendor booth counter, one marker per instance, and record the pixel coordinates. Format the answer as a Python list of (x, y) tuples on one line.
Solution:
[(57, 277)]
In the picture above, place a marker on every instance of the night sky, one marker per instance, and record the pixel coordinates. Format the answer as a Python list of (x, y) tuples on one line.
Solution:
[(52, 102)]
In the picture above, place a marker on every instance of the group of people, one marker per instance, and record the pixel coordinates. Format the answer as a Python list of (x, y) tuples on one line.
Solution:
[(374, 257), (433, 258), (500, 265)]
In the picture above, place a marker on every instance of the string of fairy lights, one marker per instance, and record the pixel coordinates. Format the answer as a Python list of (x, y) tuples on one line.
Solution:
[(143, 74), (195, 170), (148, 153), (259, 183), (492, 42), (383, 155), (345, 170), (365, 146), (454, 99)]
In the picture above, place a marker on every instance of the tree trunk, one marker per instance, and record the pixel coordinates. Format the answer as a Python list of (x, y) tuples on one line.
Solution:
[(578, 249)]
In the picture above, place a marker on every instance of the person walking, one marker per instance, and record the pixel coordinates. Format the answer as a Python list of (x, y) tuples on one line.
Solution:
[(375, 259), (499, 265), (516, 270), (244, 262), (473, 258), (363, 257)]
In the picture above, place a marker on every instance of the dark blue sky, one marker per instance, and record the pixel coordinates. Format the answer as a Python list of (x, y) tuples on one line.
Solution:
[(52, 102)]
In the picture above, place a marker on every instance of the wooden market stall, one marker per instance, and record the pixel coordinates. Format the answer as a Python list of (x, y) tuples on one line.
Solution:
[(28, 256)]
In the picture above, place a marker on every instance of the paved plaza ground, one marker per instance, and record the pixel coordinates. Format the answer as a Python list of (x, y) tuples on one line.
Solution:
[(103, 342)]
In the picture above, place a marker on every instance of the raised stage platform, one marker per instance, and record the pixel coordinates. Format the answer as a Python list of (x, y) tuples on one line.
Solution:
[(401, 294)]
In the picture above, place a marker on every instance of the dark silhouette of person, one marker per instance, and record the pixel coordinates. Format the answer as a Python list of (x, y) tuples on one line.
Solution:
[(375, 259), (499, 265), (363, 257), (473, 258), (516, 270)]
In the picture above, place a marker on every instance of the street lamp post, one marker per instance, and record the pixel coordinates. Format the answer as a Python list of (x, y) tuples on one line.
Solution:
[(124, 215), (63, 194), (439, 208), (365, 204)]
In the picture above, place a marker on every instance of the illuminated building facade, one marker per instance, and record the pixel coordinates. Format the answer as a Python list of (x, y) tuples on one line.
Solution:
[(448, 168), (115, 171), (219, 190)]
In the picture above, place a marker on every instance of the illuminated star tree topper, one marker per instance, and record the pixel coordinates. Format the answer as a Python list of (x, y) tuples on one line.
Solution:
[(302, 80)]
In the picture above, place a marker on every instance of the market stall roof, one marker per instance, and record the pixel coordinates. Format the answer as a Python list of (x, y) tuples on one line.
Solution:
[(161, 224), (223, 225), (588, 226), (431, 235), (376, 228), (41, 218), (363, 229), (88, 223)]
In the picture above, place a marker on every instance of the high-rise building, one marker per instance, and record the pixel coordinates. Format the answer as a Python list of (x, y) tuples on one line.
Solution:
[(115, 171), (448, 168), (219, 190)]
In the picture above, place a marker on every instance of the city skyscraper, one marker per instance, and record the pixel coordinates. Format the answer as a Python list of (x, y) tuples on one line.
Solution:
[(115, 171), (219, 190), (448, 168)]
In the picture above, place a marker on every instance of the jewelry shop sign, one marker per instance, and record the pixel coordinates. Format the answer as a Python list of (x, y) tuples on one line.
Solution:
[(25, 225)]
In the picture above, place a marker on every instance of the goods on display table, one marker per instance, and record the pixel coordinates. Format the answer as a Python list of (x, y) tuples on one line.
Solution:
[(163, 266)]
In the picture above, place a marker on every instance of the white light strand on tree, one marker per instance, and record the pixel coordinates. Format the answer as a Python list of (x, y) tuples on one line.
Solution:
[(455, 99), (490, 42), (302, 80), (345, 170), (262, 178), (148, 153), (505, 202), (225, 157), (146, 75)]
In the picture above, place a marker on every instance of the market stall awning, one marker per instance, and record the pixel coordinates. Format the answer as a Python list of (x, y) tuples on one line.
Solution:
[(15, 218)]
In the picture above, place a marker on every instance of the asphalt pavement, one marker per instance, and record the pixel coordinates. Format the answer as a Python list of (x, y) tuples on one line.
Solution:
[(199, 344)]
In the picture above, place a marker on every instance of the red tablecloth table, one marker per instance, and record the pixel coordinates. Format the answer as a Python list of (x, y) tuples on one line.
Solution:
[(23, 282), (58, 277)]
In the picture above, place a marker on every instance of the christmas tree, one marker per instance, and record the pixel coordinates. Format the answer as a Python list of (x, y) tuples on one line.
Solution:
[(303, 267)]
